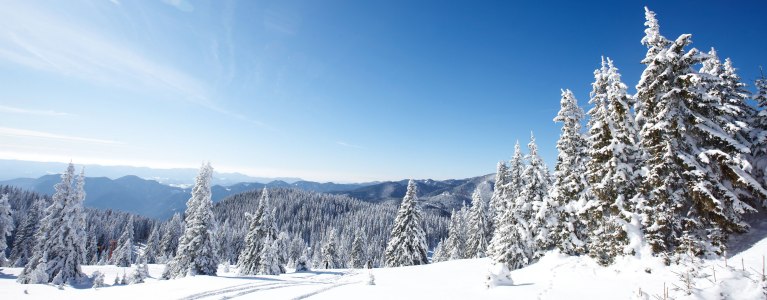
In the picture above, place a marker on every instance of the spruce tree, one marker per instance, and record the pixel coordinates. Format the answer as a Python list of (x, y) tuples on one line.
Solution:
[(24, 241), (455, 244), (696, 190), (60, 240), (358, 257), (171, 234), (612, 168), (512, 241), (569, 193), (330, 251), (249, 262), (196, 250), (759, 134), (480, 233), (499, 199), (123, 255), (535, 192), (6, 227), (152, 250), (407, 242)]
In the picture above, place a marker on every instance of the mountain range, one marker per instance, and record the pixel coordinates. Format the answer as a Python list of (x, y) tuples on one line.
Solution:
[(157, 200)]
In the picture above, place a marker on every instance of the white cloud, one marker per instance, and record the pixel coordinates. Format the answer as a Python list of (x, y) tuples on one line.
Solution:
[(181, 5), (24, 133), (46, 113), (345, 144)]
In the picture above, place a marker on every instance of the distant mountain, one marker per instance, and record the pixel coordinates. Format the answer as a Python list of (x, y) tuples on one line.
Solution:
[(443, 195), (153, 199), (10, 169)]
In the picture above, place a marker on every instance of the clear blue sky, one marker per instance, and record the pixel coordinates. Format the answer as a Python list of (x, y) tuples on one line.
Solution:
[(323, 90)]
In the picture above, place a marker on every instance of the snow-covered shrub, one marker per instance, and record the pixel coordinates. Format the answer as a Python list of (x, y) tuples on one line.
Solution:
[(499, 275), (98, 279)]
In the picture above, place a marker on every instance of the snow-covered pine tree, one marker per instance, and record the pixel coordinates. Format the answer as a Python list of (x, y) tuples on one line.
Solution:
[(330, 251), (152, 249), (6, 227), (196, 252), (60, 239), (696, 190), (270, 260), (249, 262), (759, 135), (612, 168), (480, 233), (570, 191), (24, 241), (123, 254), (499, 199), (512, 241), (171, 234), (438, 254), (535, 192), (455, 245), (407, 242), (302, 263), (358, 257)]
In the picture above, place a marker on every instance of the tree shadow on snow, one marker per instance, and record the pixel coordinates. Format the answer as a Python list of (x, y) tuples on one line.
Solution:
[(6, 276), (741, 242), (323, 273), (523, 284), (255, 278)]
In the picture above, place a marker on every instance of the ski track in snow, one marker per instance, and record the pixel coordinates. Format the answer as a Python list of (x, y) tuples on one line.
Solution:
[(249, 288)]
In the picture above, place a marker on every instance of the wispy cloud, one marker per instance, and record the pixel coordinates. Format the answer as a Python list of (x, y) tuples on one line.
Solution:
[(24, 111), (345, 144), (181, 5), (25, 133)]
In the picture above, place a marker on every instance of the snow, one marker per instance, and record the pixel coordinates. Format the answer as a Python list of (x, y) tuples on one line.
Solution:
[(554, 276)]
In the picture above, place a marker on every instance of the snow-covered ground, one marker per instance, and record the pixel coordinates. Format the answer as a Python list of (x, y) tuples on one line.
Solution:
[(553, 277)]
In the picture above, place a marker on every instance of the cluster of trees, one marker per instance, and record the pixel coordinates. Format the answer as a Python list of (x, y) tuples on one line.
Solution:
[(675, 167)]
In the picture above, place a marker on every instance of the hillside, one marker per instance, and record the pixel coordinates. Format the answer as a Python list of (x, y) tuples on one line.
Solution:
[(553, 277)]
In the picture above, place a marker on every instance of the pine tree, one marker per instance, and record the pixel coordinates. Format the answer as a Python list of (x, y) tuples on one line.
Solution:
[(480, 233), (498, 201), (330, 251), (455, 245), (759, 135), (611, 170), (696, 190), (569, 193), (407, 242), (24, 242), (196, 253), (6, 226), (512, 241), (123, 255), (249, 261), (535, 192), (358, 257), (60, 239), (152, 250), (171, 234), (438, 254), (303, 264), (270, 260)]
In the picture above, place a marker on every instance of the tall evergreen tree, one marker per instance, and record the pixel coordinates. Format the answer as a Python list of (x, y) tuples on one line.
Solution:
[(569, 193), (196, 253), (696, 189), (512, 241), (612, 168), (24, 242), (152, 250), (171, 234), (358, 257), (330, 251), (455, 244), (123, 254), (6, 226), (60, 240), (759, 135), (480, 233), (407, 242), (249, 261), (535, 192), (498, 200)]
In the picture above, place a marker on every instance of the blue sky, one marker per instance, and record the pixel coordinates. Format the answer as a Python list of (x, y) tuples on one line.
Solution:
[(323, 90)]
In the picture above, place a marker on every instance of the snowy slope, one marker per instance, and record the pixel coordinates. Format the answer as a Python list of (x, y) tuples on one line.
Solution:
[(553, 277)]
